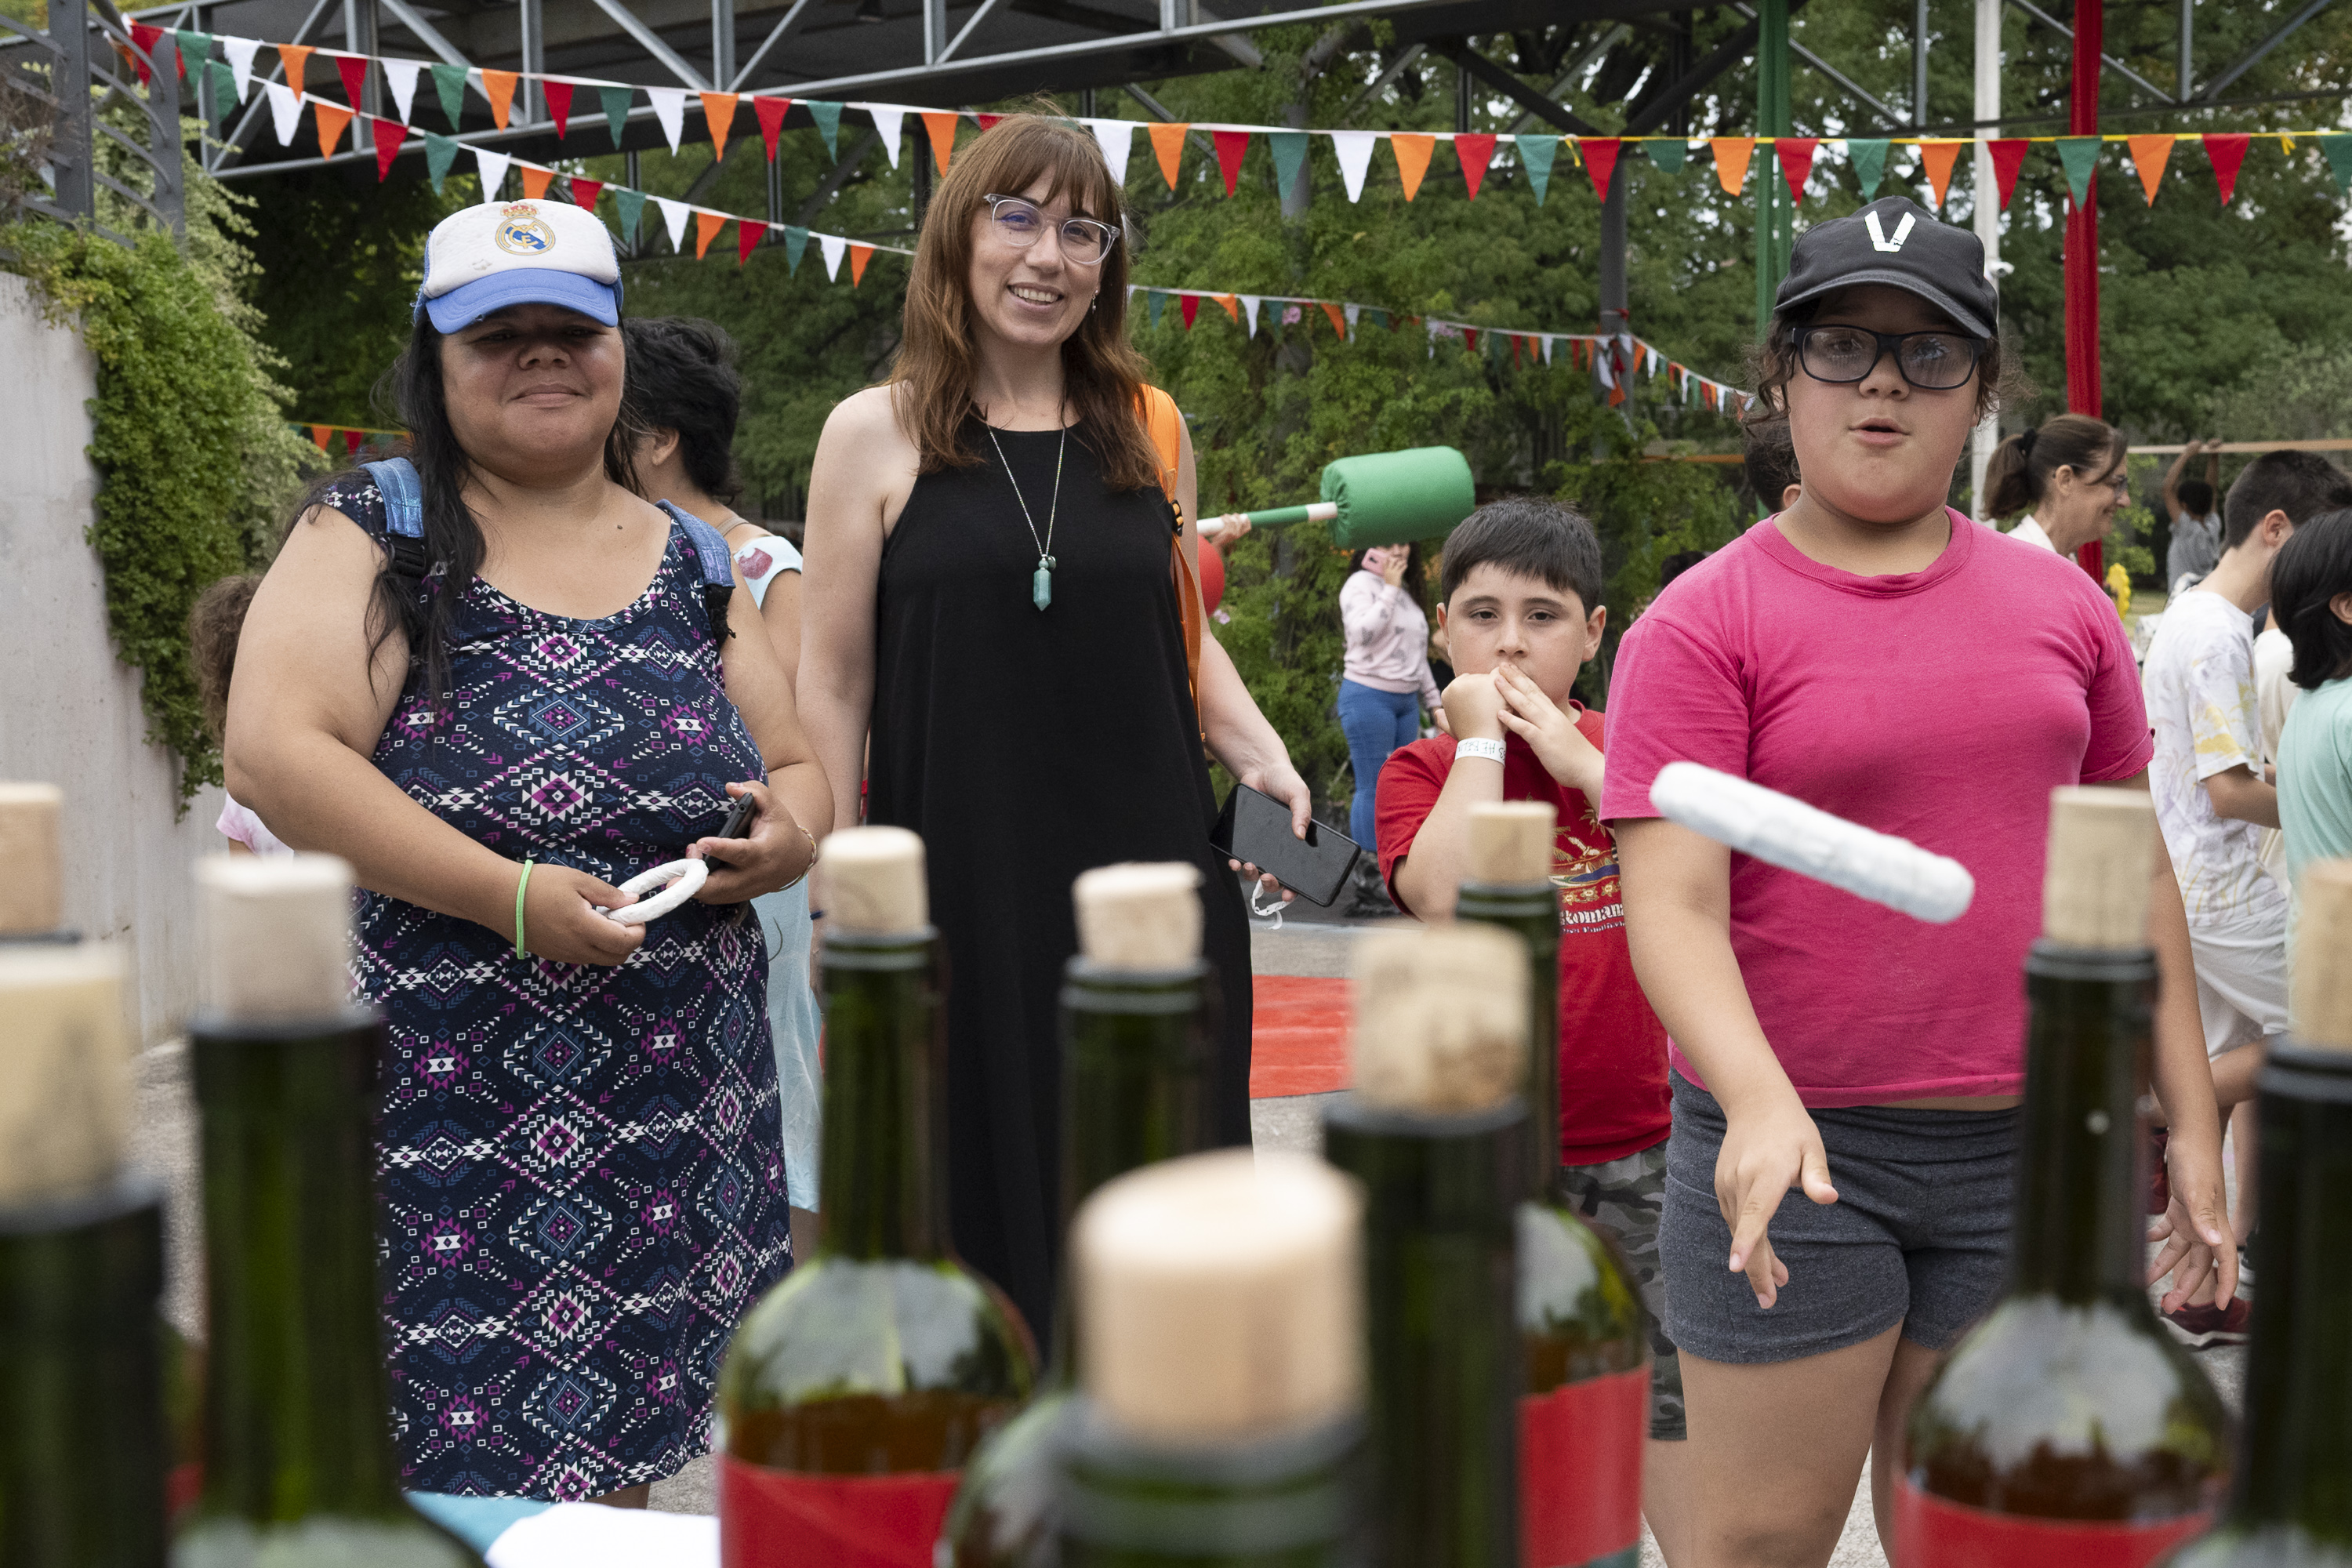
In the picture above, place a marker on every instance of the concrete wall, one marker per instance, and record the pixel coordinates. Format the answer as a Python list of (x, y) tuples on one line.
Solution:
[(70, 710)]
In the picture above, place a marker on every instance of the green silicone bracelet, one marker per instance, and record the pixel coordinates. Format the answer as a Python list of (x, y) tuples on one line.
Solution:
[(521, 888)]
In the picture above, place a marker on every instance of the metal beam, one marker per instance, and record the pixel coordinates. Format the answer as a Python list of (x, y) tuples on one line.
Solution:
[(249, 122), (2213, 89), (1385, 80), (1244, 53), (1918, 63), (651, 42), (1837, 78), (1476, 63), (776, 35), (722, 40), (987, 9), (2187, 51), (1608, 38), (840, 176), (408, 16), (1727, 54), (2125, 71), (531, 23), (1167, 116)]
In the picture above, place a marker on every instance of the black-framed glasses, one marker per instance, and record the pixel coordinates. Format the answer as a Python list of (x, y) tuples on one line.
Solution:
[(1932, 362), (1019, 222)]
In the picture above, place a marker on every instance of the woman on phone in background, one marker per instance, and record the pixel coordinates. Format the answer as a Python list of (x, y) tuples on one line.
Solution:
[(1385, 684)]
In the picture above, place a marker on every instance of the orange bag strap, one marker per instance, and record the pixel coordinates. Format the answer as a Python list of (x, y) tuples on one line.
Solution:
[(1166, 427)]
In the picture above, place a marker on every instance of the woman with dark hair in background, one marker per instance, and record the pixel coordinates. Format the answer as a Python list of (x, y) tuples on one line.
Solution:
[(683, 397), (2067, 475), (1386, 682), (498, 682), (2311, 593)]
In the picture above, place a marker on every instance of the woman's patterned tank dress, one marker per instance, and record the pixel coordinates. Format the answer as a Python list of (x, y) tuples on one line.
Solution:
[(582, 1188)]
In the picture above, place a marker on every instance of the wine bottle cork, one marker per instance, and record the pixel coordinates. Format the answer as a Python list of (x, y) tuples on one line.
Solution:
[(32, 850), (65, 1070), (1440, 1018), (2321, 1013), (277, 937), (1141, 915), (1511, 841), (1221, 1297), (2103, 846), (874, 881)]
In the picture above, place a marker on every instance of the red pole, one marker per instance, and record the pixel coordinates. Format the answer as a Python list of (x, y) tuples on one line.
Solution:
[(2082, 245)]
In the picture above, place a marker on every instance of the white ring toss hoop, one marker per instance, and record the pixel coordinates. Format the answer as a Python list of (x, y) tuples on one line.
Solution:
[(685, 878)]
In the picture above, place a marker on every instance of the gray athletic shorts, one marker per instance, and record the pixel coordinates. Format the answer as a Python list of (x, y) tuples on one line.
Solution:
[(1919, 1234)]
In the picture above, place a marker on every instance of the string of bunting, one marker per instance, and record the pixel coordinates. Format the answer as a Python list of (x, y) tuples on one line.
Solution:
[(353, 436)]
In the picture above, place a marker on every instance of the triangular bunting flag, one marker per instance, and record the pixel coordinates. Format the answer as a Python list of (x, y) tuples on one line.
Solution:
[(388, 135), (1231, 145), (706, 229), (440, 152), (2149, 155), (1412, 159), (614, 101), (1250, 303), (718, 114), (492, 168), (498, 86), (449, 86), (1731, 156), (1168, 145), (828, 115), (1190, 304), (353, 69), (1154, 302), (832, 245), (322, 435), (771, 112), (859, 255), (1600, 155), (535, 181), (2226, 152), (149, 39), (1373, 316), (940, 127), (1355, 152), (240, 52), (1289, 149), (2336, 146), (224, 84), (673, 217), (669, 108), (1868, 156), (294, 58), (2079, 157), (747, 236), (334, 121), (888, 124), (1339, 322), (1116, 138), (1536, 155), (2008, 156), (353, 441), (1231, 304), (1796, 163), (1473, 152), (585, 191), (401, 76), (629, 205), (1470, 341), (558, 95), (196, 46), (795, 247), (1667, 153), (1937, 158)]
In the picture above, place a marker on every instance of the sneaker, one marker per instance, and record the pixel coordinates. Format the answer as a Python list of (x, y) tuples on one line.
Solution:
[(2202, 1328), (2160, 1182)]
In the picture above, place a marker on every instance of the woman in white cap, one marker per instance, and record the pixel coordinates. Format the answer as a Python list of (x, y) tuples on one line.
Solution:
[(500, 683)]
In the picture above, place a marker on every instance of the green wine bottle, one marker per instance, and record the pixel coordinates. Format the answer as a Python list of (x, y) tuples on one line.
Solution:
[(856, 1390), (299, 1459), (82, 1270), (1584, 1411), (1220, 1303), (1136, 1055), (2068, 1427), (2292, 1504)]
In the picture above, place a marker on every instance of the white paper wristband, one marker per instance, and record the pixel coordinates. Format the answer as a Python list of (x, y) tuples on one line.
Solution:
[(1478, 746)]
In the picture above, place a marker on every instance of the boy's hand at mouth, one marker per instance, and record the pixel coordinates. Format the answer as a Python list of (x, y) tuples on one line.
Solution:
[(1559, 744), (1472, 708)]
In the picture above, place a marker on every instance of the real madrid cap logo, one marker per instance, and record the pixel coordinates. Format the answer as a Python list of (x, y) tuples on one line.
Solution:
[(523, 232)]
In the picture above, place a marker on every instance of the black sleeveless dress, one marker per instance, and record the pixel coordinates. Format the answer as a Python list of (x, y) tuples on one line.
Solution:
[(1027, 746)]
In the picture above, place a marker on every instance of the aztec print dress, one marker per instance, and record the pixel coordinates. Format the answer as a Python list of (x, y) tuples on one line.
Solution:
[(581, 1182)]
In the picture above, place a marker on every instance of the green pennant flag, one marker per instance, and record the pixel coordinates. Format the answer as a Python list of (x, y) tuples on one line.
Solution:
[(1154, 301), (1289, 154), (617, 109), (828, 116), (1536, 153), (1372, 315), (1668, 153), (2080, 154), (1868, 156), (223, 82), (440, 152), (195, 49), (2337, 147), (795, 243), (628, 207), (449, 81)]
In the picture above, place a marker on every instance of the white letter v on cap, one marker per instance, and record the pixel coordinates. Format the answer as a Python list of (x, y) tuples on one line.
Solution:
[(1878, 236)]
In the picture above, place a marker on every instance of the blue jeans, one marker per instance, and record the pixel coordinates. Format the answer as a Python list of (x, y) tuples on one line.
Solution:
[(1376, 723)]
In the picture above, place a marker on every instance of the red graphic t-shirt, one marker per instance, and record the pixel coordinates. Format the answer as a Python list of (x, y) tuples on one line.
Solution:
[(1612, 1049)]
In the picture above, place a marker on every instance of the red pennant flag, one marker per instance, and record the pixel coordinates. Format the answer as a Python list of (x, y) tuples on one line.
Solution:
[(706, 229), (535, 181), (389, 135), (1514, 351), (147, 37), (1231, 144), (1600, 154), (1475, 152), (320, 434), (1796, 161), (1339, 318), (2227, 152), (585, 192), (559, 104), (498, 86), (859, 255), (748, 238), (334, 121), (1938, 157), (2008, 157), (1470, 339), (987, 121), (352, 68), (772, 111), (1190, 305), (353, 441), (719, 113)]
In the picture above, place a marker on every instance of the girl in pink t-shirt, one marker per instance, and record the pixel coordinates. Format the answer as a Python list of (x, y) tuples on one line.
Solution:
[(1841, 1074)]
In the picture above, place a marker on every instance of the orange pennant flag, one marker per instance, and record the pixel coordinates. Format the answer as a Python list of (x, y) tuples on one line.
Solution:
[(1938, 158), (942, 128), (295, 56), (1413, 161), (859, 255), (1168, 141), (1731, 155), (334, 121), (1339, 322), (534, 182), (321, 434), (1232, 306), (2150, 155), (498, 86), (706, 229), (719, 113)]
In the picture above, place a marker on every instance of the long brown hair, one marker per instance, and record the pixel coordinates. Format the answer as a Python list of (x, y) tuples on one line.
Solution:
[(938, 360), (2018, 474)]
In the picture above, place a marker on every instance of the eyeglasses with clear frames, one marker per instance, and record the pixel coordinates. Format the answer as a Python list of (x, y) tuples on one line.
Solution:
[(1019, 223)]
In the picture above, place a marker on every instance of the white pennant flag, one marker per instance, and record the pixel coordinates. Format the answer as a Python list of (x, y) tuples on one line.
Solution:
[(285, 110), (1350, 311), (1115, 137), (888, 122), (401, 76), (1249, 312), (492, 167), (1547, 347), (1653, 359), (669, 108), (834, 245), (674, 214), (1355, 151), (240, 61)]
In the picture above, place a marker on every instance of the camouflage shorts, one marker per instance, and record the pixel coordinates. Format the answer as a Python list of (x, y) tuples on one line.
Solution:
[(1625, 1197)]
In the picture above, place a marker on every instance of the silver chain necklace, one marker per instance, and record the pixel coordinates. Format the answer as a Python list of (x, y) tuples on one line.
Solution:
[(1041, 582)]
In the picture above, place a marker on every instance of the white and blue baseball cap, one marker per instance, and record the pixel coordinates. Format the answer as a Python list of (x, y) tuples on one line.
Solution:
[(486, 257)]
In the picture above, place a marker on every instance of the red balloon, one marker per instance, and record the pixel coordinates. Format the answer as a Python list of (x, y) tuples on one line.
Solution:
[(1212, 575)]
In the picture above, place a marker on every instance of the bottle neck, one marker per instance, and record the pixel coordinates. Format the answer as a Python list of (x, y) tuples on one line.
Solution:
[(295, 1387), (2297, 1444), (885, 1165), (2079, 1191), (1531, 910)]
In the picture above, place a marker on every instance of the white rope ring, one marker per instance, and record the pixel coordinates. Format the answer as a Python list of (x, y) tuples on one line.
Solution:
[(685, 878)]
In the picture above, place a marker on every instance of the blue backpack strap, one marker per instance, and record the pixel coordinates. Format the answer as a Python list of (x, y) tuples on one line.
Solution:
[(404, 519), (717, 564)]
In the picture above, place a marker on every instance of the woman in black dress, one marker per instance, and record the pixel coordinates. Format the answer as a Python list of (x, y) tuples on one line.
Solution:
[(988, 600)]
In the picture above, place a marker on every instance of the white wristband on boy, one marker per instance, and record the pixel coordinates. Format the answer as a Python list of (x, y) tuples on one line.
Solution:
[(1478, 746)]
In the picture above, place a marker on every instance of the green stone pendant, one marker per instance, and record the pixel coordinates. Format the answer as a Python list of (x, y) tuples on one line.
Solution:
[(1041, 583)]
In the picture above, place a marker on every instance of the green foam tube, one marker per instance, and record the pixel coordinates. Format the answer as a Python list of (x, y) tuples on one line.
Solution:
[(1386, 498), (1285, 516)]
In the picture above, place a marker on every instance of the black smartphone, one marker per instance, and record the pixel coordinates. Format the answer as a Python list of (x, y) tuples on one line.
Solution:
[(740, 820), (1255, 828)]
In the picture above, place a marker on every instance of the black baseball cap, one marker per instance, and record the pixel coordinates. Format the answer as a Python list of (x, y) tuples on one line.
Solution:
[(1896, 241)]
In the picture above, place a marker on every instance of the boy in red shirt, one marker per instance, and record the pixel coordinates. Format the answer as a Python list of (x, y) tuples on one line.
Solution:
[(1522, 613)]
